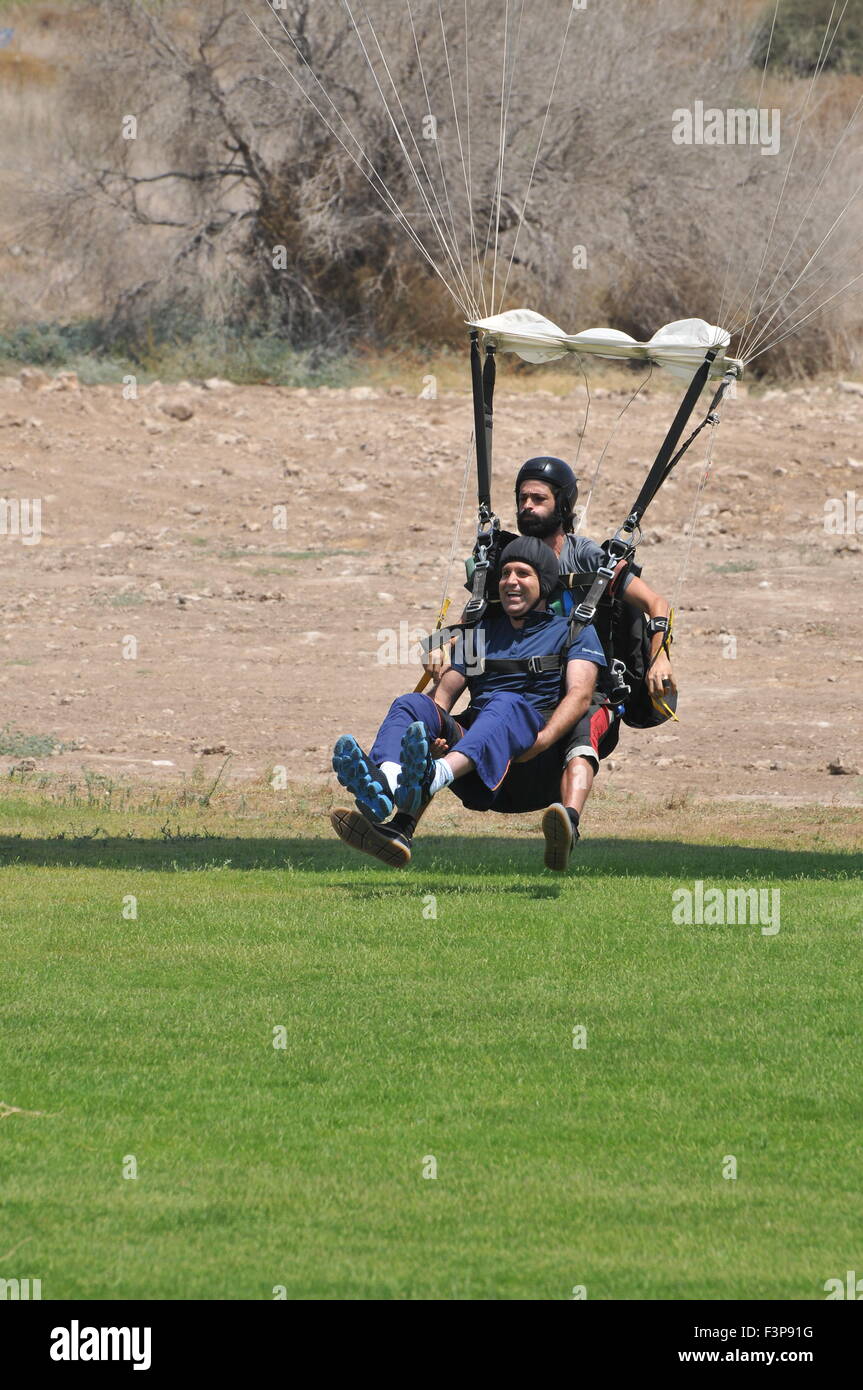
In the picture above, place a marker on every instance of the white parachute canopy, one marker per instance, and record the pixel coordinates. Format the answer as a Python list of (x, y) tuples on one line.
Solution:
[(679, 347)]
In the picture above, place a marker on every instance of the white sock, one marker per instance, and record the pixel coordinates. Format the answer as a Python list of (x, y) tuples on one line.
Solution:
[(443, 775), (391, 772)]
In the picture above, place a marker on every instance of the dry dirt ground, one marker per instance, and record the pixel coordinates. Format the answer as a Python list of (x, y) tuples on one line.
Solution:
[(219, 568)]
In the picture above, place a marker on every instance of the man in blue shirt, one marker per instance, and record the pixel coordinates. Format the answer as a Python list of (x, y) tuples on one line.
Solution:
[(529, 686)]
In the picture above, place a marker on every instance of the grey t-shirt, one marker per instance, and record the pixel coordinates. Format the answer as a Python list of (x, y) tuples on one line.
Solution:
[(581, 555)]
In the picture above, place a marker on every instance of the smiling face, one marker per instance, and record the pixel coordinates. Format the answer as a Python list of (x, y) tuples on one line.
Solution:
[(519, 588)]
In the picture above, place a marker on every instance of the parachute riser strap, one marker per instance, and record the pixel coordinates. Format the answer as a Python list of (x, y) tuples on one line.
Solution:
[(620, 553), (482, 385), (661, 467), (489, 376), (711, 418), (487, 529)]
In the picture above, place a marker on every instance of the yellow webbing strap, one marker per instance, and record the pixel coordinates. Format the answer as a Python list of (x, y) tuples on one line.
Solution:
[(425, 677), (667, 638)]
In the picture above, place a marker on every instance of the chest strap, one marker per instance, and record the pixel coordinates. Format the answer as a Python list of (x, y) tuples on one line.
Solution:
[(583, 579), (577, 579), (530, 665)]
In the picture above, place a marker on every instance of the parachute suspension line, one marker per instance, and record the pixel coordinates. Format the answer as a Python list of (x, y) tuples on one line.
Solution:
[(607, 446), (622, 545), (757, 337), (445, 247), (693, 519), (739, 276), (512, 71), (500, 144), (466, 166), (470, 292), (505, 95), (835, 259), (490, 218), (459, 519), (800, 322), (379, 187), (439, 230), (718, 318), (712, 419), (761, 332), (790, 323), (536, 155), (494, 210), (454, 251), (666, 458), (822, 58), (586, 417)]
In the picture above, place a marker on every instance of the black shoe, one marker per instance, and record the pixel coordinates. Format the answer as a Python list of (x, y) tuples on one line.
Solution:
[(383, 842), (560, 835)]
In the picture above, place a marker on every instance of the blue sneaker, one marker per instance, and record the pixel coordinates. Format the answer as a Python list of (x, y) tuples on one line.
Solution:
[(359, 775), (413, 788)]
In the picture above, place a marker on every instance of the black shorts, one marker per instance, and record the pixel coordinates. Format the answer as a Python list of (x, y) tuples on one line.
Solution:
[(534, 785), (595, 735)]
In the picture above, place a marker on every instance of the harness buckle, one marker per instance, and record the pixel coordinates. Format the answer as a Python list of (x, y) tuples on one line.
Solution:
[(534, 665), (621, 690)]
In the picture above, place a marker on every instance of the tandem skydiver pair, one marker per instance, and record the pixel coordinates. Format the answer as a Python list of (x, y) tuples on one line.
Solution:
[(528, 692)]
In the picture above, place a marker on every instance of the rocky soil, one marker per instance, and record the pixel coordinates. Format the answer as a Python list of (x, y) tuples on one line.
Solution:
[(242, 570)]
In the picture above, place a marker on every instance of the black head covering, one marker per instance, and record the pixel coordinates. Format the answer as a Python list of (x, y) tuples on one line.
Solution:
[(539, 556)]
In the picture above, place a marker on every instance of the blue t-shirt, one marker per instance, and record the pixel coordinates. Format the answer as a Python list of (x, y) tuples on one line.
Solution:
[(543, 634)]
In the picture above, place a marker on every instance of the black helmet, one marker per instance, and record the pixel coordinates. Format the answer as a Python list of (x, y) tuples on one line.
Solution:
[(559, 477), (539, 556)]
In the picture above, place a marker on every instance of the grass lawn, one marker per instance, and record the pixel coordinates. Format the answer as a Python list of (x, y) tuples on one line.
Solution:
[(427, 1015)]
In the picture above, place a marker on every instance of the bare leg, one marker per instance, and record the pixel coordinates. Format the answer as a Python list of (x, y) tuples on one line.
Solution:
[(576, 783), (459, 763)]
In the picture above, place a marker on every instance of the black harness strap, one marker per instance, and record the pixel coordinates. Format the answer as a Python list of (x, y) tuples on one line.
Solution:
[(483, 399), (577, 579), (661, 465), (482, 382), (581, 579), (530, 665), (585, 612), (711, 418), (621, 547), (489, 376)]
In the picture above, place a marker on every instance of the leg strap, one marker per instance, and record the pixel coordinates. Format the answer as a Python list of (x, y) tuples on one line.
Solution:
[(449, 729)]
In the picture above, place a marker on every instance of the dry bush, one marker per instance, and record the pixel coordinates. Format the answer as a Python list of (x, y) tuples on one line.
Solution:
[(177, 228)]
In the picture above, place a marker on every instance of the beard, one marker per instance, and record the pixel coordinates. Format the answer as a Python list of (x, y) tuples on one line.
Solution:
[(540, 526)]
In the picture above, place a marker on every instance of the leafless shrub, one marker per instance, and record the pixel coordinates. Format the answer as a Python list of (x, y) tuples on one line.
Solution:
[(230, 162)]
